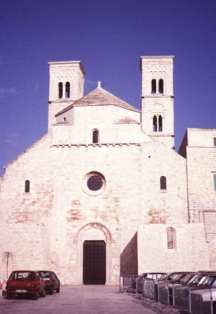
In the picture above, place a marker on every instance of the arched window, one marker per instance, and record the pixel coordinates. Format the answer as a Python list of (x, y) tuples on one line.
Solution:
[(160, 123), (161, 86), (95, 136), (155, 124), (171, 238), (60, 89), (153, 86), (163, 184), (67, 90), (27, 186)]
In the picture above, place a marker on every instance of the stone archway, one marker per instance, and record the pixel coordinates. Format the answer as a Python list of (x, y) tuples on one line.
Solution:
[(93, 231)]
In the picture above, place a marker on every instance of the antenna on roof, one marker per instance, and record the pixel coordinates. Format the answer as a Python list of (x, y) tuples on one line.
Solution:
[(99, 84)]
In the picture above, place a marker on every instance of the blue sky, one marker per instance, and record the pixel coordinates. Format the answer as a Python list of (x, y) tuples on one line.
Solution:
[(108, 36)]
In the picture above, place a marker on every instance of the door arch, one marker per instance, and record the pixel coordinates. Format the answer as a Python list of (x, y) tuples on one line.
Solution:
[(93, 232)]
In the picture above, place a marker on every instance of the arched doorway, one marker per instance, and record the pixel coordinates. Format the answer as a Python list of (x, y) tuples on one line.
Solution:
[(94, 262), (96, 239)]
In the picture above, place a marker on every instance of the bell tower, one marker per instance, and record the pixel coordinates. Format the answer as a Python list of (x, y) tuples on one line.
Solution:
[(157, 100), (65, 87)]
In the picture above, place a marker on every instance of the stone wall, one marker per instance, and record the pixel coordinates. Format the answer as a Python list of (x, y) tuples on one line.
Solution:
[(190, 253), (48, 225)]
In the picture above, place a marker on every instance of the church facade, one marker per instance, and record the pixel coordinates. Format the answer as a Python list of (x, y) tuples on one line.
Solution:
[(103, 193)]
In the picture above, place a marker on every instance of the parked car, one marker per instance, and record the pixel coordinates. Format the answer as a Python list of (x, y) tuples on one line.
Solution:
[(182, 293), (25, 282), (127, 283), (51, 281), (142, 279), (203, 299), (166, 286), (173, 275), (168, 278)]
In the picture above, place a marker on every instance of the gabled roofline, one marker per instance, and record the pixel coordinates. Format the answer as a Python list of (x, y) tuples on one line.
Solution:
[(77, 103)]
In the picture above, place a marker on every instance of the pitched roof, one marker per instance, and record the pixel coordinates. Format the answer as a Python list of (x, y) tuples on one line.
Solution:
[(99, 97), (126, 120)]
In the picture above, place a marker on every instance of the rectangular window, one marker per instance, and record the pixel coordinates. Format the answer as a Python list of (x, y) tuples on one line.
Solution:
[(214, 139), (214, 178)]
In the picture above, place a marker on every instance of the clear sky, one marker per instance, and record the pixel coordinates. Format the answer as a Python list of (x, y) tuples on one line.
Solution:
[(108, 36)]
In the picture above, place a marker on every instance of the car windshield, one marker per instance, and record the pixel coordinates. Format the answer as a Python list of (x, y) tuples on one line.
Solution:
[(22, 275), (162, 276), (209, 281), (196, 279), (172, 276), (45, 274), (187, 278), (178, 278)]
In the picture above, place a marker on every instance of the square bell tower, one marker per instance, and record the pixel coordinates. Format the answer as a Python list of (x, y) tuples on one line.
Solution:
[(65, 87), (157, 99)]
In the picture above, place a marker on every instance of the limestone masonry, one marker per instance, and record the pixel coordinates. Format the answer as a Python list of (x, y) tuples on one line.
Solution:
[(104, 193)]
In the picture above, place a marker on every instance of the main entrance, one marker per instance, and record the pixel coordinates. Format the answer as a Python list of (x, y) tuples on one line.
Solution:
[(94, 263)]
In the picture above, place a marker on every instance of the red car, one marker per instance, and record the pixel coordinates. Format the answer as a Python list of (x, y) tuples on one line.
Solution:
[(25, 282)]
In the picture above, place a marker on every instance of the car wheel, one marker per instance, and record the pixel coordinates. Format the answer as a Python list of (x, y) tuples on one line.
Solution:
[(58, 289), (9, 295), (51, 291), (43, 294), (35, 296)]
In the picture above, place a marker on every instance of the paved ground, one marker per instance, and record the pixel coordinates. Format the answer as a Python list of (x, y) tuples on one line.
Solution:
[(85, 299)]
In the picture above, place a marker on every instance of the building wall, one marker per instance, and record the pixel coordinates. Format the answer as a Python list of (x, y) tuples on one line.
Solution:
[(25, 216), (190, 254), (111, 122), (201, 165), (60, 212)]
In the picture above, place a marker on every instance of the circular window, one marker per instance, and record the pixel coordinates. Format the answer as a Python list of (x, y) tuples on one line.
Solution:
[(93, 183)]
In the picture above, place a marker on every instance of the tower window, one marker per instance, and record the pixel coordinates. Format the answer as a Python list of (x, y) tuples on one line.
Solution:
[(155, 124), (160, 120), (27, 186), (171, 238), (214, 141), (161, 86), (163, 184), (67, 90), (95, 136), (60, 89), (153, 86)]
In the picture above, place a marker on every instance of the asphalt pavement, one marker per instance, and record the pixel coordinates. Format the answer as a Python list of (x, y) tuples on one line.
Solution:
[(85, 299)]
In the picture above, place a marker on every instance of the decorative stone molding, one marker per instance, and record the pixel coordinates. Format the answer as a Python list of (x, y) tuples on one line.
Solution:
[(94, 225)]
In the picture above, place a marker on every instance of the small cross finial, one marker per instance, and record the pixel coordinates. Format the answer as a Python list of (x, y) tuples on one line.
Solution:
[(99, 84)]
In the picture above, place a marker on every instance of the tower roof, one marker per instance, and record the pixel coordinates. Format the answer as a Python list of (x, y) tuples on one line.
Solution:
[(99, 97)]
